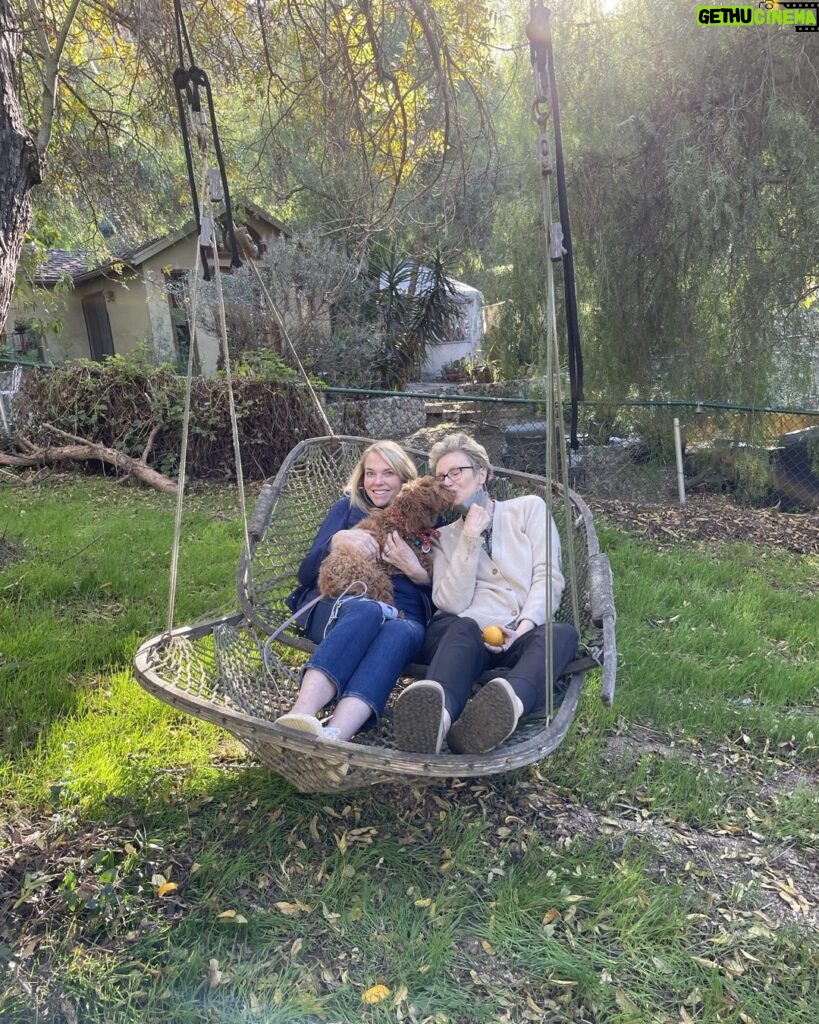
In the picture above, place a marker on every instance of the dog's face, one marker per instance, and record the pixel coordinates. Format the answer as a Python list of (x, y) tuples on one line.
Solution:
[(424, 500)]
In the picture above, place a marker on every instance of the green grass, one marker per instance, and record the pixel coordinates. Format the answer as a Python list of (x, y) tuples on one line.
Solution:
[(659, 867)]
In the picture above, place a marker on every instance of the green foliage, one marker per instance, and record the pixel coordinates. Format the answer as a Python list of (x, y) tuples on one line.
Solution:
[(347, 357), (415, 304), (349, 328), (263, 363), (127, 404), (518, 341), (692, 171), (741, 470), (691, 158)]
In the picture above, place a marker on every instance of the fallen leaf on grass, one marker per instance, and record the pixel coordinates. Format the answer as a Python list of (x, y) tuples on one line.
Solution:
[(374, 995), (733, 968), (292, 909), (626, 1004), (214, 977), (231, 915)]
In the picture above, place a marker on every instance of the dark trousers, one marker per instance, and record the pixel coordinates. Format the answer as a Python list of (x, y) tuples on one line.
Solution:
[(456, 655)]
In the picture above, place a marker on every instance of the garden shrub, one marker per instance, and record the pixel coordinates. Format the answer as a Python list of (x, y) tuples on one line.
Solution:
[(121, 401)]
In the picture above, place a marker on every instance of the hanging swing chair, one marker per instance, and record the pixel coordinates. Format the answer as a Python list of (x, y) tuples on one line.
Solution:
[(216, 670), (241, 671)]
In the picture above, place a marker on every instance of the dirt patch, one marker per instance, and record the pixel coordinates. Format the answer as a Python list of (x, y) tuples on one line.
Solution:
[(710, 517), (9, 551)]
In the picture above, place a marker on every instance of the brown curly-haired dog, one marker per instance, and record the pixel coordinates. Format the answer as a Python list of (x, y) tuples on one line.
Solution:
[(413, 514)]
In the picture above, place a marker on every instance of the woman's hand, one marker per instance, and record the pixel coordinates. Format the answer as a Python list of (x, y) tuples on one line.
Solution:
[(360, 540), (477, 520), (510, 636), (397, 552)]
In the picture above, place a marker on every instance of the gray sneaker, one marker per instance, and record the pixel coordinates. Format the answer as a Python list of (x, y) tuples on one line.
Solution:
[(419, 717), (487, 720)]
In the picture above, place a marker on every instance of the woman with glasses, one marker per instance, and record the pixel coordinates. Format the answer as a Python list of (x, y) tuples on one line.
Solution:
[(361, 646), (490, 569)]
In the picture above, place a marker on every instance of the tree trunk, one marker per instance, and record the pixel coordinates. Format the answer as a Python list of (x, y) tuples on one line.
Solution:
[(21, 164), (83, 451)]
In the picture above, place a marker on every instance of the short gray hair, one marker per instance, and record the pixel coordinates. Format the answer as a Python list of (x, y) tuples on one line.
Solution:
[(475, 452)]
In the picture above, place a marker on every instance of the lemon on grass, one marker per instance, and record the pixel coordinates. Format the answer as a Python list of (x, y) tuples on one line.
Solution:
[(494, 635)]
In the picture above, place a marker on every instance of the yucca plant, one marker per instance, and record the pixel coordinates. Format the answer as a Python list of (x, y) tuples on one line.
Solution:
[(416, 303)]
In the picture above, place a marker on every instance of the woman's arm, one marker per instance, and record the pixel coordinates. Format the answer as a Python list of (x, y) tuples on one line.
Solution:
[(455, 569), (543, 574)]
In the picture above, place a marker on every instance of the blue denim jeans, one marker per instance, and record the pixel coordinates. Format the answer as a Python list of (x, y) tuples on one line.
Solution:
[(363, 653)]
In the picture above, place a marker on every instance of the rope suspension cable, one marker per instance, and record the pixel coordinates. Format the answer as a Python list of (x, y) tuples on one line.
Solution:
[(188, 84), (538, 32), (186, 416)]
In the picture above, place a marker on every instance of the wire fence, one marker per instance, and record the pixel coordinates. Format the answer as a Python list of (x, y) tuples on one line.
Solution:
[(759, 456)]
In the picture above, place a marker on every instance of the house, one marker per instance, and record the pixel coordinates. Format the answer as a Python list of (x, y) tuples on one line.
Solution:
[(465, 340), (134, 296)]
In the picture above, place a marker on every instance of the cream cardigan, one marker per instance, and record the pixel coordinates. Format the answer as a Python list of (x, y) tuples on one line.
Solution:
[(509, 586)]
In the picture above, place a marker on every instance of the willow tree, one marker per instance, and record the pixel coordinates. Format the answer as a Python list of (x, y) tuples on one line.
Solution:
[(349, 114), (373, 111), (695, 171)]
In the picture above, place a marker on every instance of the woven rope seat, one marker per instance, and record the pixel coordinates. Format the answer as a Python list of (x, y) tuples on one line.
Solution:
[(216, 670)]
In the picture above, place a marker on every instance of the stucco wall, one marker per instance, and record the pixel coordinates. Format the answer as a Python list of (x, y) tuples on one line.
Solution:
[(137, 306), (464, 342)]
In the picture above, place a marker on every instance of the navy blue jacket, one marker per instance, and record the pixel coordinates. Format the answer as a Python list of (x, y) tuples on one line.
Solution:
[(413, 599)]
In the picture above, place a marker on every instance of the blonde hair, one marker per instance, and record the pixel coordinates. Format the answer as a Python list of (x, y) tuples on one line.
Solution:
[(475, 452), (394, 455)]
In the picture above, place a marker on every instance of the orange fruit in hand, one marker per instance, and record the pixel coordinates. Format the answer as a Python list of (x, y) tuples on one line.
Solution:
[(494, 635)]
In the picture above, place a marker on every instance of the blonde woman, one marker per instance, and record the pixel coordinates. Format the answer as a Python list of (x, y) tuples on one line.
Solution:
[(360, 651)]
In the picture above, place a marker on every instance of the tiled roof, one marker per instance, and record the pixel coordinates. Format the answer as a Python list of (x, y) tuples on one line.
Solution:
[(81, 263), (74, 264)]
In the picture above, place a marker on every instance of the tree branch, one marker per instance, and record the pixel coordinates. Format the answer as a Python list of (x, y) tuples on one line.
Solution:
[(82, 450)]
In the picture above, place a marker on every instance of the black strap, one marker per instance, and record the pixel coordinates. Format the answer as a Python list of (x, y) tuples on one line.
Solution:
[(539, 33), (189, 81)]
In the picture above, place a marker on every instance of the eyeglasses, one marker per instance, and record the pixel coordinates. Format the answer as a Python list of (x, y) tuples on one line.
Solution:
[(453, 475)]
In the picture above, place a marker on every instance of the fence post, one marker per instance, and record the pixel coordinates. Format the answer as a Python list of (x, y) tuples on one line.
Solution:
[(678, 455)]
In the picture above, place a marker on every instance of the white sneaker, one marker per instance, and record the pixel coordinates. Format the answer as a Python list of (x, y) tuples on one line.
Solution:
[(299, 722), (334, 772)]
